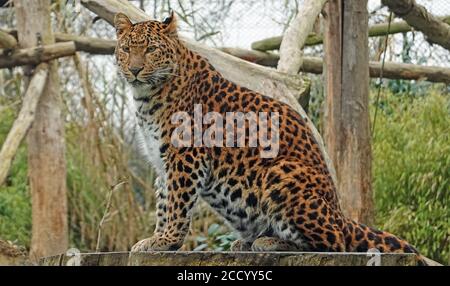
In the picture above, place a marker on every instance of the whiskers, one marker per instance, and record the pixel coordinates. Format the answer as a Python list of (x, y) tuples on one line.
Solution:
[(159, 76)]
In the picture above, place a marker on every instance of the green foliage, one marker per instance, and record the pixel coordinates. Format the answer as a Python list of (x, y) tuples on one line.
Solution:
[(217, 239), (411, 168), (15, 206)]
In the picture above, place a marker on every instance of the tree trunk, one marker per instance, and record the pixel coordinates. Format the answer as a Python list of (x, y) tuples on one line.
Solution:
[(46, 147), (347, 105)]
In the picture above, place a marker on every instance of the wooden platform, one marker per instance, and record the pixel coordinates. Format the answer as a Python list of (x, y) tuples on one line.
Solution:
[(170, 258)]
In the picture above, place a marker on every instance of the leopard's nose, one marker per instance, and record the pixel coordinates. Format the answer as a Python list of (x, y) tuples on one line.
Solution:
[(135, 70)]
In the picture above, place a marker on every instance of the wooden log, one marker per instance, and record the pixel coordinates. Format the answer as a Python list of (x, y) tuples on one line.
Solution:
[(7, 41), (23, 121), (377, 30), (217, 258), (85, 44), (273, 43), (435, 30), (257, 57), (88, 44), (291, 48), (314, 65), (36, 55), (410, 72)]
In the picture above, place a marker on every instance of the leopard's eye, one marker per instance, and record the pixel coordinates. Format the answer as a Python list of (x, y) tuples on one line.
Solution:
[(150, 49), (126, 49)]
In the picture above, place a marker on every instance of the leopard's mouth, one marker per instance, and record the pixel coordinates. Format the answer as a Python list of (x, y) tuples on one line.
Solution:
[(154, 79), (137, 82)]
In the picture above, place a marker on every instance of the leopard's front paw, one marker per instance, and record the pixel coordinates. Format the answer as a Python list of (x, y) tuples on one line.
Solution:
[(156, 243), (273, 244), (240, 245)]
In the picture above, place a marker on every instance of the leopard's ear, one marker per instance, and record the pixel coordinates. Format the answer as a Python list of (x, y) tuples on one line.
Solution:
[(122, 24), (170, 25)]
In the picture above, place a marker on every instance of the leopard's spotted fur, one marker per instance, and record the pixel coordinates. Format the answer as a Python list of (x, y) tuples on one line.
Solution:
[(284, 203)]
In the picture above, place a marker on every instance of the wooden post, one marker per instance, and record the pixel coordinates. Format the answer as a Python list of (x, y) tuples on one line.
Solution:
[(46, 148), (347, 133)]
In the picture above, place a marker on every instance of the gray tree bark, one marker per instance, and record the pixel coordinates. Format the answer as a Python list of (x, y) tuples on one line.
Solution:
[(347, 133), (46, 147)]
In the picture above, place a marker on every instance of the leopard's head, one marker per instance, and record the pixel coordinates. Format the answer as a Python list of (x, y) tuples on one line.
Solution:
[(146, 51)]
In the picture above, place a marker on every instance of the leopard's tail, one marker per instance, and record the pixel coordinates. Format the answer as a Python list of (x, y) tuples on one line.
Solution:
[(361, 238)]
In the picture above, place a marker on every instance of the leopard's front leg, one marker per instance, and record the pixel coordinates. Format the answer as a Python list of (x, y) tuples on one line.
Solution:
[(161, 205), (181, 198)]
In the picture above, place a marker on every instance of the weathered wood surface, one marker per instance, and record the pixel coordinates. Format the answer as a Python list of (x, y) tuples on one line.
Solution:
[(170, 258), (376, 30), (346, 120), (435, 30), (35, 55), (45, 139), (7, 41), (88, 44), (291, 48)]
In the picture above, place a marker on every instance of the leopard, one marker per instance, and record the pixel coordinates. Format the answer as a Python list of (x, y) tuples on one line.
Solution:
[(284, 202)]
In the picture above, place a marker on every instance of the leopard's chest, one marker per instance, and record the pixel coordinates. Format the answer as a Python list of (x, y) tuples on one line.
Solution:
[(152, 142), (149, 140)]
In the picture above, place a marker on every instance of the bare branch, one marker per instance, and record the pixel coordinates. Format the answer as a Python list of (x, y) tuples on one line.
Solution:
[(23, 121), (291, 48), (435, 30), (34, 56)]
